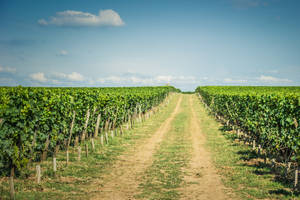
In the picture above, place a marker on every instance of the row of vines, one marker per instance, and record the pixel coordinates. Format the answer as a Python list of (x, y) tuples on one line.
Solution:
[(269, 117), (35, 122)]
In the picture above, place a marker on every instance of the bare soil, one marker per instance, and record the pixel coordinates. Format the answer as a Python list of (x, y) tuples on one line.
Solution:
[(202, 180), (123, 180)]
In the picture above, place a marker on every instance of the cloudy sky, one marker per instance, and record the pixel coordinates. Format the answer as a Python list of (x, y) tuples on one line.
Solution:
[(140, 42)]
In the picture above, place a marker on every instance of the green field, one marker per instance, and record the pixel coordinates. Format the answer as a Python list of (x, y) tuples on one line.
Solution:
[(150, 143)]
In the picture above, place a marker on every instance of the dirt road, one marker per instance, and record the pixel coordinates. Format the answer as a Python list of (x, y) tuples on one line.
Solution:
[(200, 179), (122, 182)]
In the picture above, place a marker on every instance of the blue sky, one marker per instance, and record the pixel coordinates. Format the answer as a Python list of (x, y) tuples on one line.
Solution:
[(137, 42)]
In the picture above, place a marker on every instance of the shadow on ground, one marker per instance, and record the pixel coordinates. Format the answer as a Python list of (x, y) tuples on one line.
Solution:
[(255, 162)]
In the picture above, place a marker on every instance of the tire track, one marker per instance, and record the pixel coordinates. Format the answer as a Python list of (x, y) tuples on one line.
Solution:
[(202, 180), (122, 182)]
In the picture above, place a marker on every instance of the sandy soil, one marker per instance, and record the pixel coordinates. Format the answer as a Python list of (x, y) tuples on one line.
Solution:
[(123, 181), (202, 178)]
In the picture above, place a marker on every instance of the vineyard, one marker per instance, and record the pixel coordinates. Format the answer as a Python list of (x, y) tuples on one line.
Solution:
[(45, 131), (267, 117), (37, 122)]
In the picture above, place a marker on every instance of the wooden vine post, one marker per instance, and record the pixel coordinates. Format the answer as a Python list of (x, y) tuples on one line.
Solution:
[(86, 150), (71, 129), (97, 125), (128, 120), (68, 157), (106, 125), (45, 151), (93, 144), (121, 130), (76, 141), (287, 168), (54, 165), (132, 120), (32, 146), (114, 123), (85, 125), (79, 153), (140, 113), (11, 183), (110, 126), (112, 134), (56, 149), (38, 174), (54, 160), (296, 184)]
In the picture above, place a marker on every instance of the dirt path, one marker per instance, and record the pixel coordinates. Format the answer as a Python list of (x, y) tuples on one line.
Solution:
[(202, 179), (122, 182)]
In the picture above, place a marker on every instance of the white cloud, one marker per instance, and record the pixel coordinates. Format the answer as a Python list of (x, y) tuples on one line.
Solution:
[(8, 69), (120, 79), (115, 79), (62, 53), (272, 79), (56, 82), (74, 76), (59, 75), (77, 18), (175, 79), (38, 77), (230, 80), (58, 78), (134, 79), (163, 78), (141, 79), (42, 22)]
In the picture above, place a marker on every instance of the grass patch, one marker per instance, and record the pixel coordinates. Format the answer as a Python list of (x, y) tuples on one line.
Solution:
[(239, 168), (165, 175), (75, 181)]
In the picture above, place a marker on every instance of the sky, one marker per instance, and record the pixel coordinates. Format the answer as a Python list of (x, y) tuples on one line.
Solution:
[(186, 43)]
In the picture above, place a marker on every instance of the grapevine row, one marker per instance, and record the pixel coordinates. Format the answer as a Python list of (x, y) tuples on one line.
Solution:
[(269, 115), (34, 122)]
